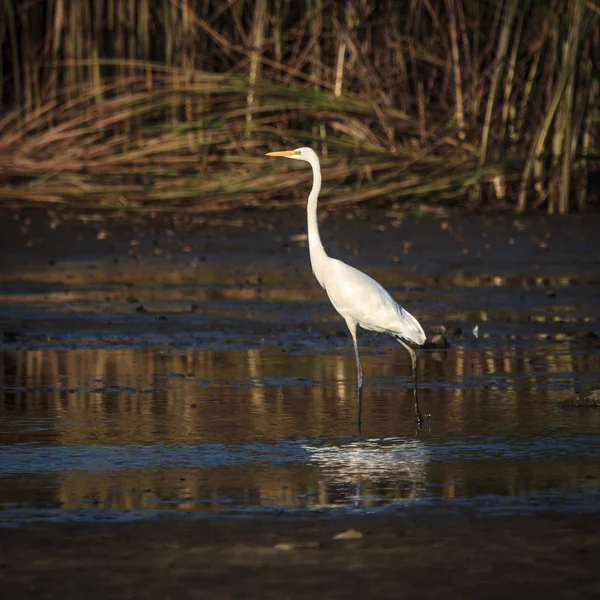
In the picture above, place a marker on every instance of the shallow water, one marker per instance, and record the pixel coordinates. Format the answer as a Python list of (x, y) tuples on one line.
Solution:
[(131, 389)]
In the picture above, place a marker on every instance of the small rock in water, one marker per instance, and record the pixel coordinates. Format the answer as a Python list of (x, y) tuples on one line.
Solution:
[(438, 329), (284, 546), (588, 337), (350, 534), (591, 400), (437, 341), (11, 335)]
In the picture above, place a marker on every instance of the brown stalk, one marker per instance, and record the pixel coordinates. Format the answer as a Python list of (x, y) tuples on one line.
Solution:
[(458, 98), (503, 40)]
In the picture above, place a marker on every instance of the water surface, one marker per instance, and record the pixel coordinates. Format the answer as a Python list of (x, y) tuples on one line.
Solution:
[(134, 387)]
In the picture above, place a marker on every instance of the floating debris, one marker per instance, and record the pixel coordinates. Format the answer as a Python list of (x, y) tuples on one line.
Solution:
[(591, 400)]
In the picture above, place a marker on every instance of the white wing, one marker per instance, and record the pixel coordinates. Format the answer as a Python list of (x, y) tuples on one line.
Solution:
[(359, 297)]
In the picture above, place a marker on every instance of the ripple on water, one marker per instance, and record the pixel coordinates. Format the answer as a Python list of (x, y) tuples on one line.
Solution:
[(224, 398)]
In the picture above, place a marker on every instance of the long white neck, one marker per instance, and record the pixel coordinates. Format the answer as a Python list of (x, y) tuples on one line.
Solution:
[(318, 256)]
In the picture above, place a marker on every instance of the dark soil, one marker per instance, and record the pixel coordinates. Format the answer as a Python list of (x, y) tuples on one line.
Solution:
[(552, 556)]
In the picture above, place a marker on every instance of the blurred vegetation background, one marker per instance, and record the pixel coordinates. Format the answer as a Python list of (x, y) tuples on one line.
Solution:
[(171, 104)]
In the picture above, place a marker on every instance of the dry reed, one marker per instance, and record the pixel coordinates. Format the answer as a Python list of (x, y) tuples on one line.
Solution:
[(170, 104)]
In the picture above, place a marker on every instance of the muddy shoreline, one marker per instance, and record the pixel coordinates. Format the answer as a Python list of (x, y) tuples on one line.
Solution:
[(546, 555), (251, 251), (242, 263), (475, 243)]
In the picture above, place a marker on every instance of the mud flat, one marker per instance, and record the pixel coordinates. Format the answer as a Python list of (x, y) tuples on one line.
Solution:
[(547, 555), (177, 410)]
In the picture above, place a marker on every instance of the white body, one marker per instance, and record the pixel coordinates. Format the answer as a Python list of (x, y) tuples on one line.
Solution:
[(357, 297)]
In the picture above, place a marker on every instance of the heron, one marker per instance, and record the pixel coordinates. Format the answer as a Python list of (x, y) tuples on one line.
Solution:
[(359, 299)]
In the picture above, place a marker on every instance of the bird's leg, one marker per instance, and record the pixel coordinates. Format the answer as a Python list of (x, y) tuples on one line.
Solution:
[(359, 403), (413, 358), (359, 371), (359, 388)]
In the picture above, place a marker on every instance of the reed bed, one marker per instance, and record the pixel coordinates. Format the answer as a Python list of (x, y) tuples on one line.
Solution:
[(170, 105)]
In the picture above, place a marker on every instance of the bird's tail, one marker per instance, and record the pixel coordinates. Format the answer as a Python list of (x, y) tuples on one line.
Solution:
[(411, 330)]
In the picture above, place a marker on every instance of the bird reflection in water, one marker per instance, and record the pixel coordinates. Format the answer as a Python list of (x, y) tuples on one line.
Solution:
[(374, 468)]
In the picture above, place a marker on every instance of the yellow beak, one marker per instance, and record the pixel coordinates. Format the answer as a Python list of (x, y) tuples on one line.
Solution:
[(282, 153)]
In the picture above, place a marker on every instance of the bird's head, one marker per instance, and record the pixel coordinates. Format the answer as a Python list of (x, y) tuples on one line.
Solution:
[(306, 154)]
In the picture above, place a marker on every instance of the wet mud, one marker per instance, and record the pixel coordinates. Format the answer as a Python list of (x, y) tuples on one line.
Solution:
[(191, 367), (371, 556)]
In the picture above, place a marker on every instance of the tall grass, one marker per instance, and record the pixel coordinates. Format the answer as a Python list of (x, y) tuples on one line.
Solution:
[(171, 103)]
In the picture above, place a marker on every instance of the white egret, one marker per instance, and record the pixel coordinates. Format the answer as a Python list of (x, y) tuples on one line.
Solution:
[(358, 298)]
